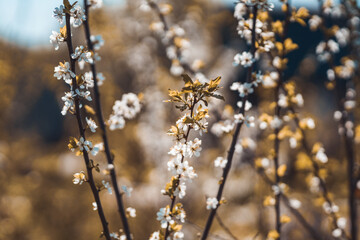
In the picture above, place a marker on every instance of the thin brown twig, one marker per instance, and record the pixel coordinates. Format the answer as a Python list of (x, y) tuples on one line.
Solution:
[(235, 136), (89, 168), (99, 115)]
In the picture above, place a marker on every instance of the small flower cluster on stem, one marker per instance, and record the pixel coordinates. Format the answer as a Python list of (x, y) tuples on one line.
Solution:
[(193, 100)]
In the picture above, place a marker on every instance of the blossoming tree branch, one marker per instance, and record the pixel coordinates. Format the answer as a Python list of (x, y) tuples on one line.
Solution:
[(265, 130)]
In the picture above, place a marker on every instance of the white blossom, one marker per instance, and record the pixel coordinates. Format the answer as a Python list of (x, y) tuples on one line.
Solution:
[(127, 190), (95, 207), (342, 36), (333, 46), (58, 14), (245, 59), (314, 22), (194, 147), (79, 178), (100, 78), (276, 123), (294, 203), (62, 71), (220, 162), (336, 233), (131, 211), (114, 235), (155, 236), (321, 156), (243, 89), (163, 215), (176, 69), (77, 16), (107, 186), (341, 222), (97, 41), (178, 236), (248, 105), (179, 191), (91, 123), (81, 54), (68, 102), (211, 203), (84, 144), (240, 10), (131, 105), (88, 80), (56, 38)]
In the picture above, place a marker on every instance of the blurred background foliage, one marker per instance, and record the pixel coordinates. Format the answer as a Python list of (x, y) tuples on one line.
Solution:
[(37, 197)]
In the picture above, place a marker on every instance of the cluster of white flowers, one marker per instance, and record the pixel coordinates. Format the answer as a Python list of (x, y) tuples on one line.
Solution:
[(116, 236), (82, 54), (155, 236), (331, 9), (89, 79), (180, 166), (341, 225), (131, 212), (163, 215), (79, 178), (56, 38), (184, 148), (91, 123), (95, 207), (62, 71), (245, 26), (246, 59), (347, 69), (86, 145), (315, 22), (97, 42), (195, 118), (107, 186), (244, 89), (285, 100), (211, 203), (321, 155), (127, 108), (279, 188), (222, 127), (77, 15), (126, 190), (325, 50), (220, 162)]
